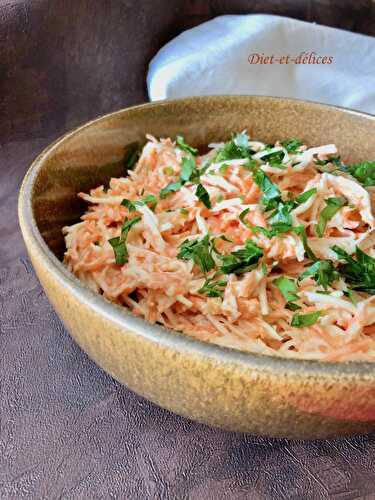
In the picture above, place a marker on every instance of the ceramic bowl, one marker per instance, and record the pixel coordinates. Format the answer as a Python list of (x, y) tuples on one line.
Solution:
[(211, 384)]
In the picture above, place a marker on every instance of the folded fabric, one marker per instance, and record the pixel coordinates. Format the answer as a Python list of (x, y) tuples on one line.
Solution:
[(267, 55)]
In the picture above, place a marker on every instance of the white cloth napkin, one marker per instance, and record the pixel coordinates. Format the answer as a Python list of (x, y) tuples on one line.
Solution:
[(213, 59)]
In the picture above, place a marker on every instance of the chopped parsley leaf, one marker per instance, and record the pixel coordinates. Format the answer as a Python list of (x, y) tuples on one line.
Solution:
[(269, 233), (292, 306), (359, 273), (281, 220), (189, 173), (303, 197), (322, 271), (336, 160), (202, 194), (224, 238), (274, 159), (292, 145), (287, 287), (271, 193), (127, 225), (170, 188), (364, 172), (180, 142), (199, 251), (333, 205), (189, 170), (213, 288), (302, 320), (243, 260), (119, 243), (236, 148), (132, 205), (243, 215), (150, 198), (301, 232), (120, 250), (332, 164)]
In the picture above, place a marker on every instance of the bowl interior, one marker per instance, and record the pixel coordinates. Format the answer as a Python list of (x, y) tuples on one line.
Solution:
[(93, 153)]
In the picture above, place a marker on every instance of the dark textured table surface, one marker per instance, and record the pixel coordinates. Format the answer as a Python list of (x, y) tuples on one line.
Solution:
[(68, 430)]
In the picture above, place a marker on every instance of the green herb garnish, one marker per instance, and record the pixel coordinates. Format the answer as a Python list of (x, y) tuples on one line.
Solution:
[(322, 271), (287, 287), (189, 171), (331, 159), (132, 205), (202, 194), (271, 193), (302, 320), (303, 197), (119, 242), (213, 288), (333, 205), (281, 219), (234, 149), (224, 238), (242, 217), (359, 272), (292, 306), (243, 260), (170, 188), (127, 225), (364, 172), (185, 147), (120, 250), (292, 145), (151, 200), (301, 232), (332, 165), (259, 229), (199, 251), (275, 158)]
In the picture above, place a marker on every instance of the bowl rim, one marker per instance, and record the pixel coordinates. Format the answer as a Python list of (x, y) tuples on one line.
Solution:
[(158, 334)]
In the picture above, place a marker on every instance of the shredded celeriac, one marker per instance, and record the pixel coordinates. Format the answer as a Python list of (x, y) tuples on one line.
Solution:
[(249, 310)]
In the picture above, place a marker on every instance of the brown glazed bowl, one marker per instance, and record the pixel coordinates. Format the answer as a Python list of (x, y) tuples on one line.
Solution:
[(211, 384)]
